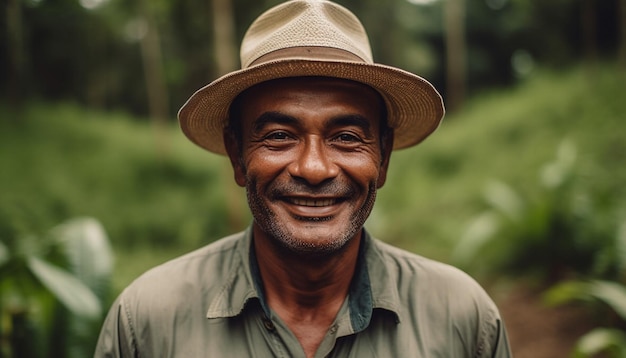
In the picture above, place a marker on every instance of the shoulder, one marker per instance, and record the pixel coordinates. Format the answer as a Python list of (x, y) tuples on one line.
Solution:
[(434, 285), (422, 270), (436, 297), (169, 303), (189, 278)]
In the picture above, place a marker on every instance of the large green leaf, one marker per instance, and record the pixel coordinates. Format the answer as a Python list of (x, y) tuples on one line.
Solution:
[(88, 250), (481, 230), (601, 340), (556, 173), (621, 248), (4, 253), (503, 198), (611, 293), (68, 289), (567, 291)]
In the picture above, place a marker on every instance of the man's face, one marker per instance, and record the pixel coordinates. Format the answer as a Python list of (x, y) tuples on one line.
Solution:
[(311, 160)]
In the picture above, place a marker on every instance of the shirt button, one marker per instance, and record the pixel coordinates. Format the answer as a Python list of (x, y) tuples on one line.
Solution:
[(269, 325)]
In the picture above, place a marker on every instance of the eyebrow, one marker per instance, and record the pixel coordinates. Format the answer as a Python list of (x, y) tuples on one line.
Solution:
[(274, 118), (347, 120)]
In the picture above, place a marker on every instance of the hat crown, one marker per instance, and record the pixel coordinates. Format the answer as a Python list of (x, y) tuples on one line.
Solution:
[(305, 23)]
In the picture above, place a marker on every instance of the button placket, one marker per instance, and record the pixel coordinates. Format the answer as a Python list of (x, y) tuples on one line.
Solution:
[(269, 325)]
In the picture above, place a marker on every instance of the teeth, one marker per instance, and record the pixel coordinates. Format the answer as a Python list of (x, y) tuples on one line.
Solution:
[(311, 202)]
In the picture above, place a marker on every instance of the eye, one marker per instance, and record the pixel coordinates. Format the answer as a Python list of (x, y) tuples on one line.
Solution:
[(348, 138), (277, 135)]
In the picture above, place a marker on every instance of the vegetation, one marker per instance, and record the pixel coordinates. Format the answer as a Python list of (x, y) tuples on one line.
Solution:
[(607, 299), (148, 56), (156, 190), (508, 136), (568, 228), (54, 290), (157, 195), (526, 179)]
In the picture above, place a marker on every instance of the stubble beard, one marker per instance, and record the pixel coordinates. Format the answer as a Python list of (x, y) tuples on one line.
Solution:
[(284, 240)]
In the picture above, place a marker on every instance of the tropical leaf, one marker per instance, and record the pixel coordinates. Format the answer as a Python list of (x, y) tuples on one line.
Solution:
[(503, 198), (601, 340), (68, 289), (611, 293), (480, 231), (621, 248), (568, 291), (4, 253), (88, 251), (556, 173)]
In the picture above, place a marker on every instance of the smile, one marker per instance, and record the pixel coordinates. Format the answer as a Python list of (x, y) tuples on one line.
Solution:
[(313, 202)]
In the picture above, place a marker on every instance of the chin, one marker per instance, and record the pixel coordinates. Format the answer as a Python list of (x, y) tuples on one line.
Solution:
[(313, 241)]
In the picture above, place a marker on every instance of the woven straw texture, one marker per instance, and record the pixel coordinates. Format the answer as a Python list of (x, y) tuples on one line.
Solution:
[(414, 107)]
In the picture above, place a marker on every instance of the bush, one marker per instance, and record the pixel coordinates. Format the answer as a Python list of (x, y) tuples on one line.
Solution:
[(54, 288), (147, 190)]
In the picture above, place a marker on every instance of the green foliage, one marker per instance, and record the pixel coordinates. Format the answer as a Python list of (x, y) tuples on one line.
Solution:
[(433, 191), (555, 233), (570, 205), (159, 196), (53, 290), (607, 299), (613, 294), (605, 296), (610, 342), (68, 289), (62, 50), (147, 187)]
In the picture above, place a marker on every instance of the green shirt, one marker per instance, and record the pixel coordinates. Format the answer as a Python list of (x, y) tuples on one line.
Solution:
[(209, 303)]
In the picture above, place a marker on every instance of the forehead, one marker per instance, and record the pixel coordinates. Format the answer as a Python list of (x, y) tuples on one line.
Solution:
[(317, 94)]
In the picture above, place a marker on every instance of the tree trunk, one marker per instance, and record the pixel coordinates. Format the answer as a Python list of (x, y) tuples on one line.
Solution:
[(153, 72), (224, 36), (226, 61), (588, 24), (454, 14), (622, 35), (15, 49)]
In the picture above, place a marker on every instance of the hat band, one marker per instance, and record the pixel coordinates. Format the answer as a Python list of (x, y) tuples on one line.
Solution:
[(315, 53)]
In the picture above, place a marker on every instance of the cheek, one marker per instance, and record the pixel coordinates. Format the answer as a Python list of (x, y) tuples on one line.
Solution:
[(363, 169), (262, 165)]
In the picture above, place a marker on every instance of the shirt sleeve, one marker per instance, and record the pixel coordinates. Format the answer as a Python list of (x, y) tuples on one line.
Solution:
[(493, 341), (501, 348), (116, 338)]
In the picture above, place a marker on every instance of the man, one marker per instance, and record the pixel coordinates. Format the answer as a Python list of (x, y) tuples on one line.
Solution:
[(308, 123)]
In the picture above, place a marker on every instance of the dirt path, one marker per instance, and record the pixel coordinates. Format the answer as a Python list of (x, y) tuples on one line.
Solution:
[(538, 331)]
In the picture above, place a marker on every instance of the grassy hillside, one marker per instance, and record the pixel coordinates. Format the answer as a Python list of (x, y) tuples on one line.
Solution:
[(507, 135), (158, 195)]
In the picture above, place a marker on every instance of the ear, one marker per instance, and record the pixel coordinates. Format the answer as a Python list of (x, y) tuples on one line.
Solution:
[(233, 148), (386, 149)]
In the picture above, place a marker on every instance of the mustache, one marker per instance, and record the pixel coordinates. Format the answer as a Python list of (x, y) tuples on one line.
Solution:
[(293, 188)]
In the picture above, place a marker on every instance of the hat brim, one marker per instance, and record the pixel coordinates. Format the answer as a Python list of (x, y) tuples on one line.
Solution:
[(414, 107)]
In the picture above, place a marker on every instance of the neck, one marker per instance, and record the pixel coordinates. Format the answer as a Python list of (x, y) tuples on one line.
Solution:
[(306, 293), (305, 284)]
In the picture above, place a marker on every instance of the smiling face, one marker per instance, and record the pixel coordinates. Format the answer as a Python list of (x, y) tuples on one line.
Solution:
[(311, 158)]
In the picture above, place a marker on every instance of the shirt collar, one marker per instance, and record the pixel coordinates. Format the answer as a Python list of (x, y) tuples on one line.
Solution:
[(238, 288), (371, 288)]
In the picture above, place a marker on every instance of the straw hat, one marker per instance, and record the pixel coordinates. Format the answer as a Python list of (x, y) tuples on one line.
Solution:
[(312, 38)]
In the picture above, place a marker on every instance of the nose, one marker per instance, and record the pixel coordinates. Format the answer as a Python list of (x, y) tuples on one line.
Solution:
[(313, 163)]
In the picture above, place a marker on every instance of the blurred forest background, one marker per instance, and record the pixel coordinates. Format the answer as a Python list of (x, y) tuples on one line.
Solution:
[(522, 186)]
